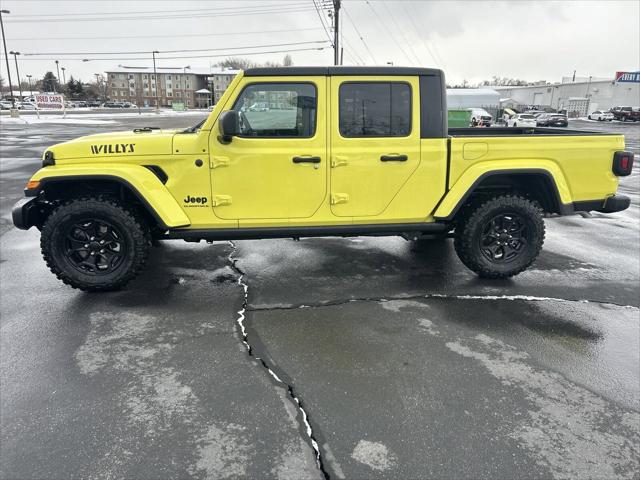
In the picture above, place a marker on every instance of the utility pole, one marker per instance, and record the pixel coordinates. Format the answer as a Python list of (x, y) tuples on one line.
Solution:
[(6, 57), (15, 58), (58, 77), (30, 88), (155, 76), (336, 32), (64, 78)]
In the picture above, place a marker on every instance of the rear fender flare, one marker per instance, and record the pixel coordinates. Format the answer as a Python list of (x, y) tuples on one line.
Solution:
[(476, 174)]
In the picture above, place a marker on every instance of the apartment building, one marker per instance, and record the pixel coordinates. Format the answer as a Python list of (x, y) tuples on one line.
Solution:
[(195, 88)]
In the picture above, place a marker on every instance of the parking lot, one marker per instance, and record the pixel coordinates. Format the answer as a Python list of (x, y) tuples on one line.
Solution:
[(347, 358)]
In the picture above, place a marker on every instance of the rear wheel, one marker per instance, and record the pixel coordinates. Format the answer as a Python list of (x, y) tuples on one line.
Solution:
[(501, 236), (94, 243)]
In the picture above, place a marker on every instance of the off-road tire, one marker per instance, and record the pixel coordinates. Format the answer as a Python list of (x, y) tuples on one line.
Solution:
[(131, 227), (474, 222)]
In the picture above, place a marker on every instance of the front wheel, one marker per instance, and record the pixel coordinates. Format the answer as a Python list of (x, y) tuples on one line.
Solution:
[(95, 243), (500, 237)]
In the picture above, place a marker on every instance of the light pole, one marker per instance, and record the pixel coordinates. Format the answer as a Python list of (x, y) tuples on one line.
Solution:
[(155, 77), (98, 84), (6, 57), (58, 77), (30, 89), (64, 79), (15, 58)]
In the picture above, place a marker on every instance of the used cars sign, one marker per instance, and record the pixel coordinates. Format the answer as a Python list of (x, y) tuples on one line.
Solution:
[(50, 101)]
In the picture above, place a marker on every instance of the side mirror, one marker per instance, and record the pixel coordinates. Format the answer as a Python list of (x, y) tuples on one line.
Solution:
[(229, 124)]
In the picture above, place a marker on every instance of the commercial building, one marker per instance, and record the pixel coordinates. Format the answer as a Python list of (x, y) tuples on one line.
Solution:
[(578, 97), (194, 88)]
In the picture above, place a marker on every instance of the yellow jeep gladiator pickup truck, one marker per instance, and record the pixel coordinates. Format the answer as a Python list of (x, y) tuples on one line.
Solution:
[(316, 151)]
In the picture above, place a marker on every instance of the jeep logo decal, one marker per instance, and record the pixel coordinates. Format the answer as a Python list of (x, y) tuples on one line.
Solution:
[(113, 148), (200, 200)]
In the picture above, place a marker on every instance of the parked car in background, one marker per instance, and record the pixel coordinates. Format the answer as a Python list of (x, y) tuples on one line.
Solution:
[(480, 117), (80, 104), (94, 103), (26, 106), (601, 116), (113, 105), (535, 113), (5, 105), (259, 107), (522, 120), (552, 120), (626, 114)]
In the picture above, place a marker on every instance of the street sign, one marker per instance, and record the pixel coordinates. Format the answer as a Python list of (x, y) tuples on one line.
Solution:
[(628, 77), (48, 101), (178, 106)]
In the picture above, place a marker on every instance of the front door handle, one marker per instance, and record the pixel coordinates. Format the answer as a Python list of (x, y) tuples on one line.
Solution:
[(394, 158), (306, 159)]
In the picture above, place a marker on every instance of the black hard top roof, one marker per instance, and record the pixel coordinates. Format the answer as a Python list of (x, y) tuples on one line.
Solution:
[(352, 71)]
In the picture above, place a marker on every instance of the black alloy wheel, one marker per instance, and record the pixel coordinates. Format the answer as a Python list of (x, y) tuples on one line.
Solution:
[(503, 238), (94, 246)]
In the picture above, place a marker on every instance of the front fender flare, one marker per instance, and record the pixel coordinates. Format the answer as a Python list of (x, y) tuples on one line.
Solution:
[(138, 179)]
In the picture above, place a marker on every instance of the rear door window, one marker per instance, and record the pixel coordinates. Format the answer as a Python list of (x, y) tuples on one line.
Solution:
[(375, 109)]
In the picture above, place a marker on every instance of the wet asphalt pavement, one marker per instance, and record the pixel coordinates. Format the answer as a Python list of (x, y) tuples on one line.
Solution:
[(406, 364)]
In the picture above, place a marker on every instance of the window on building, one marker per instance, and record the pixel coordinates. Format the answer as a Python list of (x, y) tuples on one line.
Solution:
[(178, 94), (375, 109), (121, 75), (188, 86), (113, 85), (130, 77), (113, 75), (144, 77), (169, 94), (168, 77), (278, 110)]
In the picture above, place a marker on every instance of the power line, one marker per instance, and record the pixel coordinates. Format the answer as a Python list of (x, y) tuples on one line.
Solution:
[(173, 35), (166, 17), (424, 43), (239, 54), (384, 4), (384, 25), (173, 51), (359, 34), (326, 30), (217, 9)]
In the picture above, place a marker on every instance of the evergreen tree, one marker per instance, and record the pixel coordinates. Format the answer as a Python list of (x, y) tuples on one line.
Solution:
[(50, 83)]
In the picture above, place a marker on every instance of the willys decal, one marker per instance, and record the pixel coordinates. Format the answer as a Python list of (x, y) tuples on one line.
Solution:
[(113, 148)]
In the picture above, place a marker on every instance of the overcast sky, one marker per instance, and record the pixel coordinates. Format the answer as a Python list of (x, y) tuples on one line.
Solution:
[(471, 40)]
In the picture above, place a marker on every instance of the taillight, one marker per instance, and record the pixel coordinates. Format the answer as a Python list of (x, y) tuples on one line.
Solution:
[(622, 163)]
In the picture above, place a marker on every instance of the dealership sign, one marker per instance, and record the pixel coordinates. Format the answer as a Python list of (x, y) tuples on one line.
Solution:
[(628, 77), (50, 101)]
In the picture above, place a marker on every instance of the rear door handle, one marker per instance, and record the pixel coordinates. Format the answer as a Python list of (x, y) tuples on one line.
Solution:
[(394, 158), (306, 159)]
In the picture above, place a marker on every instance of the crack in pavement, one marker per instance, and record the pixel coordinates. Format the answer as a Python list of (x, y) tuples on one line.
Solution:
[(526, 298), (245, 340)]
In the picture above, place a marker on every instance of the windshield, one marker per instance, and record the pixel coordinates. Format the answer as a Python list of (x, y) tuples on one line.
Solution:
[(527, 116)]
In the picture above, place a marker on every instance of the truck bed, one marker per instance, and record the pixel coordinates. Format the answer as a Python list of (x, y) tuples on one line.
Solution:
[(514, 131)]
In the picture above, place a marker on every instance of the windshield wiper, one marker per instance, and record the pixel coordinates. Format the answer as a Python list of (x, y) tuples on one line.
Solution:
[(195, 127)]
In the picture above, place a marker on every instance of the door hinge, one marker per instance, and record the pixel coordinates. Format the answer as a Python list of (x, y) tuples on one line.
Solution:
[(220, 200), (216, 162), (338, 161), (337, 198)]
